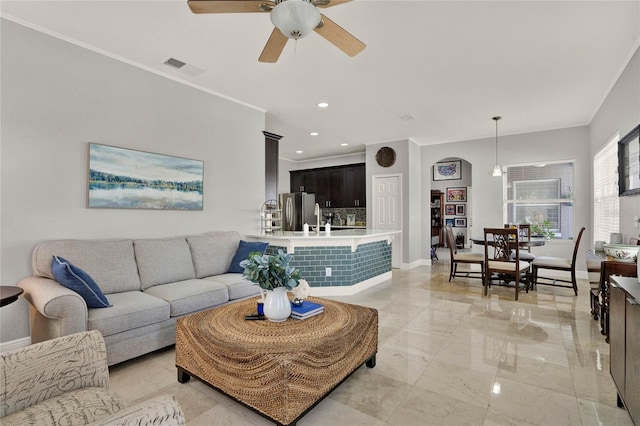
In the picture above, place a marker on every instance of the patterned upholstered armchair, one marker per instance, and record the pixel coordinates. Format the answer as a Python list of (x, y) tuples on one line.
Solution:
[(66, 381)]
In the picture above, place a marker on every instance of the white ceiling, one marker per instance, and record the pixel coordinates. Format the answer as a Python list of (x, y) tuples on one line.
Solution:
[(450, 64)]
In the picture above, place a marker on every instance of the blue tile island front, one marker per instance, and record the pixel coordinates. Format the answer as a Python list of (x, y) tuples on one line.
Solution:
[(343, 262)]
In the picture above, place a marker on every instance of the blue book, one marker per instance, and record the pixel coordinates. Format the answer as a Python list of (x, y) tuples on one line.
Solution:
[(306, 308)]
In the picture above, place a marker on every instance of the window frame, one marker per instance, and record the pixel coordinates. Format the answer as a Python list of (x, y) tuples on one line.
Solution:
[(511, 204)]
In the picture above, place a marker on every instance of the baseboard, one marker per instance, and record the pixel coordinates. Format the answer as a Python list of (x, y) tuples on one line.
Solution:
[(350, 290), (15, 344), (415, 264)]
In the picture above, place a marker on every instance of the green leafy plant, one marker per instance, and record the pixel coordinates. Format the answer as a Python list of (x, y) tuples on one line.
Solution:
[(271, 272), (543, 230)]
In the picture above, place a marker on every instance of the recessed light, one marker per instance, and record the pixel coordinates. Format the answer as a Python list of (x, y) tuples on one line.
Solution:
[(322, 104), (344, 144), (314, 133), (299, 152)]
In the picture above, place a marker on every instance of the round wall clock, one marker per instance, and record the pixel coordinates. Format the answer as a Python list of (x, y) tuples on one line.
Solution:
[(386, 157)]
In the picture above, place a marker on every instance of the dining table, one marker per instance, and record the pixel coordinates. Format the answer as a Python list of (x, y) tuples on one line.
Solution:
[(534, 242), (523, 244)]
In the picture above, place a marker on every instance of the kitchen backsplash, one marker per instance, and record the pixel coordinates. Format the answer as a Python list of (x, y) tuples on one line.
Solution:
[(340, 215)]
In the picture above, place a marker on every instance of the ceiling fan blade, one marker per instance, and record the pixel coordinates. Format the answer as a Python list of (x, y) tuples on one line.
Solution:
[(274, 47), (230, 6), (340, 37), (328, 3)]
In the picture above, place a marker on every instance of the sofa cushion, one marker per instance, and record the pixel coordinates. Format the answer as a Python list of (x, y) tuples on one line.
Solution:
[(238, 287), (79, 281), (242, 253), (77, 407), (111, 263), (130, 310), (190, 296), (164, 260), (212, 253)]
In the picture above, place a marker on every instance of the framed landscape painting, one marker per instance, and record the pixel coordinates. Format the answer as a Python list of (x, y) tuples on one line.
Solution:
[(449, 170), (121, 178), (457, 195), (449, 222)]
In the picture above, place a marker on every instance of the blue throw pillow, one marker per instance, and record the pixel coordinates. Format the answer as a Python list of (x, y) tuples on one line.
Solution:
[(79, 281), (244, 248)]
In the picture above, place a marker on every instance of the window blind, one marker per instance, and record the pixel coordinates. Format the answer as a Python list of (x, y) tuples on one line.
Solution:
[(606, 204), (542, 195)]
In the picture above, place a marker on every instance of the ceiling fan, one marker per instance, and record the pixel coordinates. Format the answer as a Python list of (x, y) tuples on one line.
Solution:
[(292, 19)]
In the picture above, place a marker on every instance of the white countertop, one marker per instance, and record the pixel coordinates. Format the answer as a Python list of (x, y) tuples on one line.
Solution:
[(338, 237), (334, 234)]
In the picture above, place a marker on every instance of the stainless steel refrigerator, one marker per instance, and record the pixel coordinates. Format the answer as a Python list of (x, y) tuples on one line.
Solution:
[(297, 209)]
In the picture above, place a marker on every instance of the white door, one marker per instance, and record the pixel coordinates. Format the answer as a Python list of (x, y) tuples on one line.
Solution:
[(387, 211)]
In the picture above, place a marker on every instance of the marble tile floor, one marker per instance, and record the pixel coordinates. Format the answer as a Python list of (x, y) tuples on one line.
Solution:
[(447, 356)]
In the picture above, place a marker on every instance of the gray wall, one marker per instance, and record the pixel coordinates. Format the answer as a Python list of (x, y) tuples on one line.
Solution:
[(486, 192), (57, 97), (620, 112), (408, 166)]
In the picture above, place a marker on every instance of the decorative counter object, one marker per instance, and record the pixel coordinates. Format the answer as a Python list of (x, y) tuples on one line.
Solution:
[(273, 274), (622, 252)]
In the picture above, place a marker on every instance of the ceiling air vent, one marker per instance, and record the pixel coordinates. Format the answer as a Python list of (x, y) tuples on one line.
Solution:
[(173, 62), (183, 67), (407, 117)]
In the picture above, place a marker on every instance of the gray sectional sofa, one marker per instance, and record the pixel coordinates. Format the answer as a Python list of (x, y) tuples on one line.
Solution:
[(149, 283)]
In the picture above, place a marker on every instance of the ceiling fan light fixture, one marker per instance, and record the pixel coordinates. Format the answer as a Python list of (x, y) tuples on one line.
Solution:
[(295, 18)]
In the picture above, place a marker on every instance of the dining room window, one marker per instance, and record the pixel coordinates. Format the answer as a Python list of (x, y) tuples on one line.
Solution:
[(606, 204), (541, 195)]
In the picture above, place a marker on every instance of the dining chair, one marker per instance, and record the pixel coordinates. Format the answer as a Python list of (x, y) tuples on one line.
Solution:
[(464, 258), (557, 264), (524, 230), (498, 246)]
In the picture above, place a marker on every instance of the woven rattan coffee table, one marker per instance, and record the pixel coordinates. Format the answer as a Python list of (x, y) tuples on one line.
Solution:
[(280, 370)]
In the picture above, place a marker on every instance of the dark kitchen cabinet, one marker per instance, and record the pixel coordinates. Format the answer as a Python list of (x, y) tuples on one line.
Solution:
[(334, 187), (354, 193), (301, 181)]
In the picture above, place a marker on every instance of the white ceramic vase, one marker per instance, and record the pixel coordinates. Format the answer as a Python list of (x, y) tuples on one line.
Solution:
[(277, 307)]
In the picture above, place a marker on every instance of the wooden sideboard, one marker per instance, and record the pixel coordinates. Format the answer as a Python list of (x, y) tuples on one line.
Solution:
[(608, 267), (625, 342)]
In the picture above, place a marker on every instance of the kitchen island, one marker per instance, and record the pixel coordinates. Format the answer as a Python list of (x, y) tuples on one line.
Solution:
[(343, 262)]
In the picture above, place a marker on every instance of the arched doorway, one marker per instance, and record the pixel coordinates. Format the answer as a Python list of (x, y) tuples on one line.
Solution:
[(451, 201)]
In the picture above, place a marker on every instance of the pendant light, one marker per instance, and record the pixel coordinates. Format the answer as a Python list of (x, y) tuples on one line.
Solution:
[(497, 170)]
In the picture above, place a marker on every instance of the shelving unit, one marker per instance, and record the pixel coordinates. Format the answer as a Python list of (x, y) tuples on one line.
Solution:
[(270, 216), (437, 233)]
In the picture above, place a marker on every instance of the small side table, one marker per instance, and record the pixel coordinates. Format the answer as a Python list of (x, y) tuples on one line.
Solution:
[(9, 294)]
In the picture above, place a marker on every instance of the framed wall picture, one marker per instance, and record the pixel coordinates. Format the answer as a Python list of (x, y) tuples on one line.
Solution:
[(629, 163), (460, 209), (450, 209), (449, 222), (448, 170), (460, 222), (121, 178), (457, 195)]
